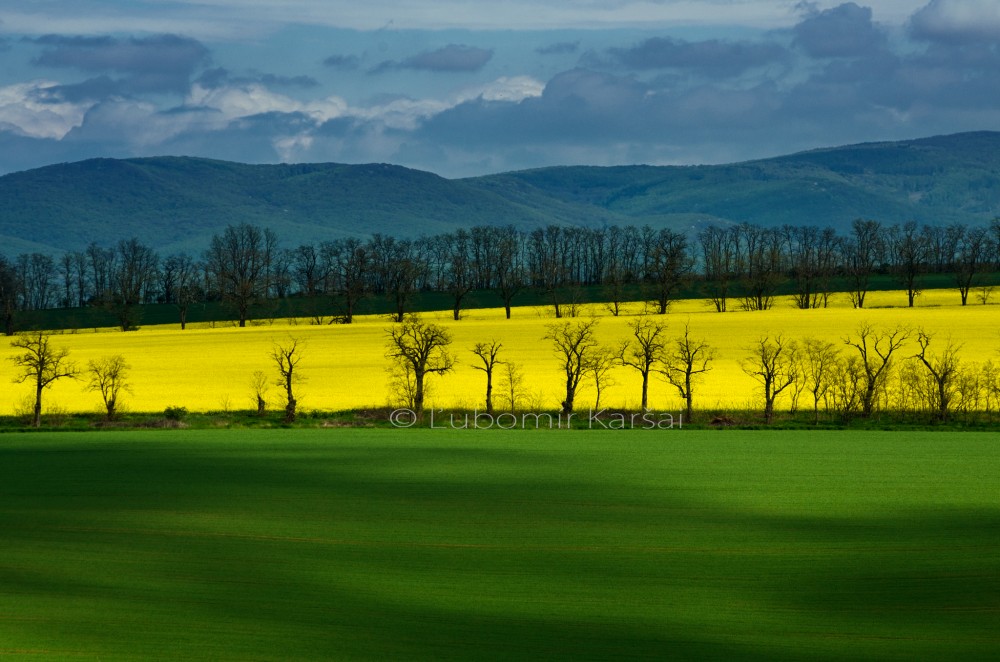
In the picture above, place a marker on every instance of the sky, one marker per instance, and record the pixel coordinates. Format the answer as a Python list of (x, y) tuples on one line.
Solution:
[(464, 88)]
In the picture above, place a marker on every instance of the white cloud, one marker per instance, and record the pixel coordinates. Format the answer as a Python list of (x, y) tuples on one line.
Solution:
[(25, 109), (236, 102), (514, 89), (953, 19)]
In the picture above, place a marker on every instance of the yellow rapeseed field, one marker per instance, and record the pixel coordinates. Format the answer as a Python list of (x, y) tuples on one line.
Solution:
[(344, 366)]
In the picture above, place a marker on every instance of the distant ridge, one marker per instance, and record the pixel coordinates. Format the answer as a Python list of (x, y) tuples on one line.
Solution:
[(177, 203)]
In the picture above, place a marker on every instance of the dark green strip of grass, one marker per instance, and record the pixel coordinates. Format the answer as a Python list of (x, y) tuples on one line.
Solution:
[(434, 545)]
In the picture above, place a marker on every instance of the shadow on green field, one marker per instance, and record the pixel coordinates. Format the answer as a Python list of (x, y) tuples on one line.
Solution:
[(373, 546)]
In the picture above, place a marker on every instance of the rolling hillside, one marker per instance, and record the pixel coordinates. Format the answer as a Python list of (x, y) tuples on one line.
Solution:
[(178, 202)]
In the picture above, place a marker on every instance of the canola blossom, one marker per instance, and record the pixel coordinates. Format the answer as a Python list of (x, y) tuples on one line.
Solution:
[(344, 366)]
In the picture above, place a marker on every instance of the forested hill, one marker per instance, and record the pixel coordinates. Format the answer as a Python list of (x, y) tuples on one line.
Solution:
[(178, 203)]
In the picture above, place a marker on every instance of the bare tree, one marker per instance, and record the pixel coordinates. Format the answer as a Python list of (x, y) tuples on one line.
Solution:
[(669, 264), (42, 364), (616, 275), (719, 259), (460, 272), (760, 260), (132, 275), (944, 369), (645, 353), (862, 254), (773, 364), (239, 261), (909, 251), (402, 386), (488, 353), (847, 386), (310, 269), (685, 361), (36, 272), (509, 268), (259, 386), (602, 362), (421, 348), (549, 263), (512, 385), (109, 377), (351, 267), (286, 357), (817, 362), (574, 344), (8, 295), (971, 260), (181, 279), (875, 350)]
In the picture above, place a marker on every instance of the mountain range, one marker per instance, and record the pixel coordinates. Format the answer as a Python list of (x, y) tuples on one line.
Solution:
[(177, 203)]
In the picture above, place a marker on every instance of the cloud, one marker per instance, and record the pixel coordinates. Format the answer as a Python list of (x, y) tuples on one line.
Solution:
[(33, 110), (559, 48), (220, 77), (453, 58), (348, 62), (92, 90), (957, 21), (250, 99), (712, 57), (844, 31), (158, 63)]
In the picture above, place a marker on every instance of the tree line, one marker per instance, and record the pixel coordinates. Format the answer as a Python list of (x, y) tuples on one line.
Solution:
[(736, 266), (870, 370)]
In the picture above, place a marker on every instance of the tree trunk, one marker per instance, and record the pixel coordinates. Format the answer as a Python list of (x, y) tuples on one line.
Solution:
[(418, 394), (645, 391), (567, 405), (489, 392), (37, 417), (688, 396)]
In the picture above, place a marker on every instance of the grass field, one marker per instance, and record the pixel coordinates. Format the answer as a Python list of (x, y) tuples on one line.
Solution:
[(206, 369), (433, 545)]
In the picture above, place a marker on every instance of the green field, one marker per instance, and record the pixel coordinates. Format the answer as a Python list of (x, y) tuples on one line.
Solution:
[(431, 545)]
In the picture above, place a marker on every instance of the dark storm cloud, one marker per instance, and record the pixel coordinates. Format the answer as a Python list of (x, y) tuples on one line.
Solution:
[(342, 61), (161, 54), (597, 108), (844, 31), (160, 63), (942, 22), (92, 89), (220, 77), (875, 95), (711, 57), (453, 58), (560, 48)]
